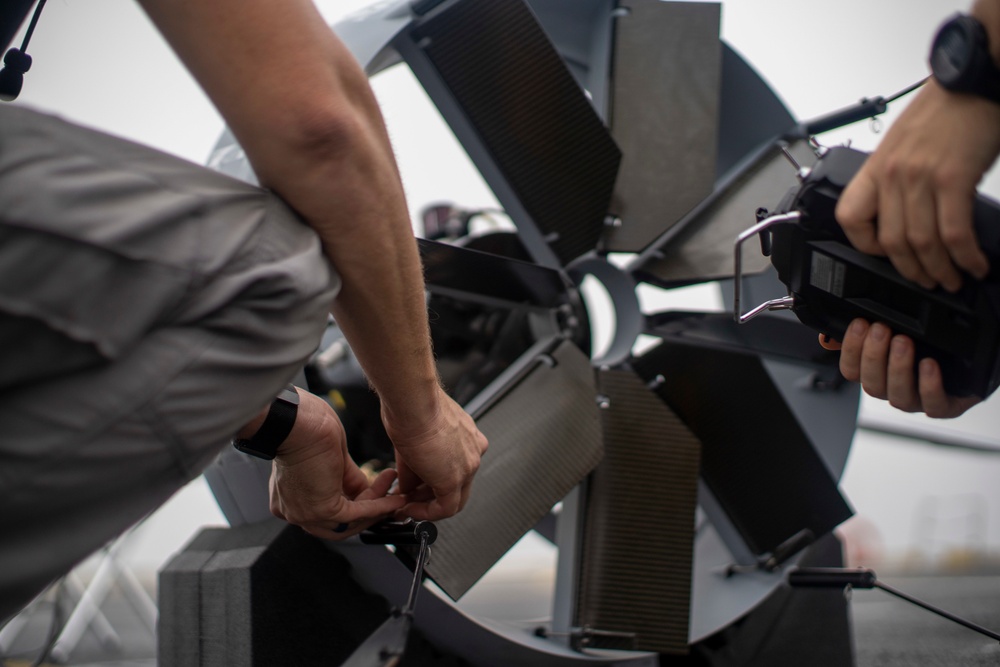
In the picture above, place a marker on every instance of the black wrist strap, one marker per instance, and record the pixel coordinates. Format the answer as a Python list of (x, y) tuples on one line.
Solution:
[(276, 427)]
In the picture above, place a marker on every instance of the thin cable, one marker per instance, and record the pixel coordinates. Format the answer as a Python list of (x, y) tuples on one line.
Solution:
[(906, 91), (418, 572), (940, 612), (31, 26)]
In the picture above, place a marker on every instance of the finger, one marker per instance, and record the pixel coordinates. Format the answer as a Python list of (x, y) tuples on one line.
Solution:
[(344, 511), (408, 480), (902, 380), (892, 238), (353, 480), (856, 211), (418, 510), (936, 401), (439, 508), (380, 486), (875, 360), (933, 397), (955, 211), (421, 494), (960, 405), (923, 237), (851, 349), (443, 507), (367, 509)]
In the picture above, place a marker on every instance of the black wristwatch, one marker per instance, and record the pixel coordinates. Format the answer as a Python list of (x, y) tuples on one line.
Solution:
[(960, 58), (276, 427)]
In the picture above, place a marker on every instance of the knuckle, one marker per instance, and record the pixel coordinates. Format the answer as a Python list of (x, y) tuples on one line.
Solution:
[(956, 235), (849, 215), (949, 176), (891, 240), (920, 240), (913, 173), (893, 168)]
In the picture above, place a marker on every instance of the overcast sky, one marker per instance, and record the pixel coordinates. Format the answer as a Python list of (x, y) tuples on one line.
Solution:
[(100, 62)]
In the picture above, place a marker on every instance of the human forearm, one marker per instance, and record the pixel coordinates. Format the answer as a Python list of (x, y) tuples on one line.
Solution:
[(305, 115), (353, 197), (303, 111)]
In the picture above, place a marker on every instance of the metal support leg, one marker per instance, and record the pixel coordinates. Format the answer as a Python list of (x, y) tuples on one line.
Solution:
[(87, 612)]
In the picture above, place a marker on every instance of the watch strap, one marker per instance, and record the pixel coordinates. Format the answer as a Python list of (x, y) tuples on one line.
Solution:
[(275, 428)]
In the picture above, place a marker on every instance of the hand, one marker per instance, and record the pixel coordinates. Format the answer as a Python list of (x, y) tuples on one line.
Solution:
[(920, 185), (883, 364), (437, 460), (317, 486)]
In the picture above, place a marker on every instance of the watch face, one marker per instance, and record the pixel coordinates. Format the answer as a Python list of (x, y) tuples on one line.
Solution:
[(952, 53)]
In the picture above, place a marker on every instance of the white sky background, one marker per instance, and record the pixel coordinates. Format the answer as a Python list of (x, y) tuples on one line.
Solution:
[(100, 62)]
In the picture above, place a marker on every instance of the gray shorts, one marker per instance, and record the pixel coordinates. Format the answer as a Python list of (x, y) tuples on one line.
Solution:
[(148, 308)]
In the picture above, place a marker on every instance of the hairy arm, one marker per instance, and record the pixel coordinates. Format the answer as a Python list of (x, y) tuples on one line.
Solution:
[(303, 111)]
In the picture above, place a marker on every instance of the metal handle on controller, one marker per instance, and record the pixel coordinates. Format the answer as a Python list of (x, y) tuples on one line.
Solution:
[(785, 302)]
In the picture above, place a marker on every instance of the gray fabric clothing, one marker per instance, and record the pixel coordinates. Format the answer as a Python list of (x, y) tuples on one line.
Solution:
[(148, 308)]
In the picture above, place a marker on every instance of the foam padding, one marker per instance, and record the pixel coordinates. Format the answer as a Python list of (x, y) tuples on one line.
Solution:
[(261, 594)]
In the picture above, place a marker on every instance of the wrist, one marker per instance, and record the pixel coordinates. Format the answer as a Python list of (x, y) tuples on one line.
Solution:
[(317, 428), (413, 414), (265, 434)]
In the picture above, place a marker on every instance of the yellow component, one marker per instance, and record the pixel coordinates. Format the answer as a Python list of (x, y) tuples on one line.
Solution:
[(336, 399)]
